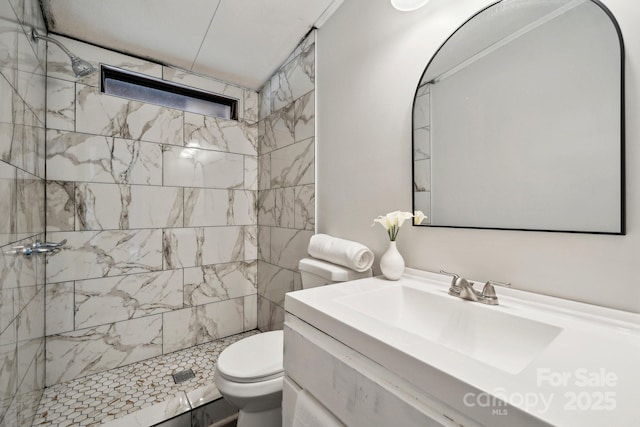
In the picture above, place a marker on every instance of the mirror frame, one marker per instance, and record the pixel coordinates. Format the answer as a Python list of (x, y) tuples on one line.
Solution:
[(622, 132)]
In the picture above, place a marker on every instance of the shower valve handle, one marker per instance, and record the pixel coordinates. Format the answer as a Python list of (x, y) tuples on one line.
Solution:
[(38, 248)]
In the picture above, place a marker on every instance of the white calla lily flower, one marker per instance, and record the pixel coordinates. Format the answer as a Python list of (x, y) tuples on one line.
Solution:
[(418, 217), (382, 220), (393, 221), (402, 217)]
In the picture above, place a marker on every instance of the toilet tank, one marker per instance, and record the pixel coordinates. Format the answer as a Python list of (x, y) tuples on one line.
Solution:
[(316, 272)]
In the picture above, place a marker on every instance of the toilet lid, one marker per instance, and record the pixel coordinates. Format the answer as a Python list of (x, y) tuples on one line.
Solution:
[(252, 359)]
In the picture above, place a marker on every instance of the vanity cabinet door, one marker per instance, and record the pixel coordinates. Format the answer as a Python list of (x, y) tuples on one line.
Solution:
[(356, 390)]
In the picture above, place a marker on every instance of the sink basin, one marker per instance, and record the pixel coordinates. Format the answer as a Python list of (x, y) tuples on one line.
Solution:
[(484, 333), (514, 364)]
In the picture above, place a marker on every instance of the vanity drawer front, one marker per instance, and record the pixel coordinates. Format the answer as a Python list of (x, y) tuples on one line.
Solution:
[(358, 391)]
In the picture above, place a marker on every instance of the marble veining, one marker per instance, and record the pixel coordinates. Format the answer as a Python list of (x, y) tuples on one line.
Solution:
[(92, 254), (31, 55), (264, 172), (22, 169), (264, 246), (193, 167), (59, 307), (251, 106), (274, 282), (61, 104), (23, 147), (160, 211), (219, 207), (112, 299), (31, 307), (267, 207), (112, 116), (289, 246), (6, 308), (203, 323), (8, 40), (30, 203), (190, 247), (30, 368), (250, 312), (250, 243), (250, 172), (302, 47), (18, 271), (211, 283), (29, 87), (107, 206), (8, 189), (293, 165), (270, 315), (264, 101), (14, 109), (8, 371), (304, 217), (84, 157), (286, 196), (304, 112), (87, 351), (284, 211), (60, 197), (220, 134), (278, 129), (294, 79)]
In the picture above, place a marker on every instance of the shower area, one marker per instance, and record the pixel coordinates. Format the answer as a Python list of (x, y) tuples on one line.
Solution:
[(178, 232)]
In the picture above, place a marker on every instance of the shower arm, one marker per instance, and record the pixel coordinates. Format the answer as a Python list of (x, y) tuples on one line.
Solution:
[(36, 36)]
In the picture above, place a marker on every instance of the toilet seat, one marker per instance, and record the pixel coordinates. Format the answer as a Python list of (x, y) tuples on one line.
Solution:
[(253, 359)]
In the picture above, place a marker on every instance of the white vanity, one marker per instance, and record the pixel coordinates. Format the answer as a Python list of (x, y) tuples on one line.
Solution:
[(375, 352)]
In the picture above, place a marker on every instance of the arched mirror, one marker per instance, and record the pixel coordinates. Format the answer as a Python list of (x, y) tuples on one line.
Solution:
[(518, 121)]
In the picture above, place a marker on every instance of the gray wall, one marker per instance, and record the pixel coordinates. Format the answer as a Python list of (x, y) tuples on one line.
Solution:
[(286, 215), (366, 79), (159, 210), (22, 137)]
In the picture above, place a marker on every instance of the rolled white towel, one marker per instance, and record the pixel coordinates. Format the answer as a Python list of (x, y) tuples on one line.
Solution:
[(343, 252)]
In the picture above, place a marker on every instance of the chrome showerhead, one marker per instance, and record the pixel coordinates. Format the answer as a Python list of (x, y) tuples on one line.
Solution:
[(79, 66)]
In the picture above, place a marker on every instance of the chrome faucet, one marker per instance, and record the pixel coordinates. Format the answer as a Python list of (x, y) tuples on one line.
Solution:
[(462, 288)]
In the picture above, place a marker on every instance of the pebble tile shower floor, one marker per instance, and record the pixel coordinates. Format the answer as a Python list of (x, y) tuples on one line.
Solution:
[(112, 394)]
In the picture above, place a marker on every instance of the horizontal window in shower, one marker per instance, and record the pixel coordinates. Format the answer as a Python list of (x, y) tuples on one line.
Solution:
[(130, 85)]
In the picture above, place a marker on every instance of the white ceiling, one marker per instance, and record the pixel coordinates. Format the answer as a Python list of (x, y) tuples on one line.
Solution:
[(238, 41)]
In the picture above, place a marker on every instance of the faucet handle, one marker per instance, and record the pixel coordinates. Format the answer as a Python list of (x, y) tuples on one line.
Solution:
[(489, 291), (503, 284), (454, 276)]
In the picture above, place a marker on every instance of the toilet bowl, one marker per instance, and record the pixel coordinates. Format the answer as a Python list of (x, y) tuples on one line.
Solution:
[(249, 373)]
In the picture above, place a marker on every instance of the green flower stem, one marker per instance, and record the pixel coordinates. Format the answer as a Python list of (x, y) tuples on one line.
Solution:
[(393, 232)]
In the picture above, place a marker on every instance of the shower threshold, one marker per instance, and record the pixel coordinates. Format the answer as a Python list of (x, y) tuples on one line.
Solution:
[(141, 394)]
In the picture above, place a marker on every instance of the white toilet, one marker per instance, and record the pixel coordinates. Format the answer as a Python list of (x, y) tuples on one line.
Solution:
[(249, 373)]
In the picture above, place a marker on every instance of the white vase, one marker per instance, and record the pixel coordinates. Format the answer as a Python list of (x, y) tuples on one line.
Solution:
[(392, 263)]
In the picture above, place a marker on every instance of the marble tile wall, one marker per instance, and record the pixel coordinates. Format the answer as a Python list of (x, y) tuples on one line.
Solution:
[(286, 180), (22, 147), (158, 207)]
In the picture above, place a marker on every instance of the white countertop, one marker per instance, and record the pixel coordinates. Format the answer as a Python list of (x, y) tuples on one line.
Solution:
[(587, 375)]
